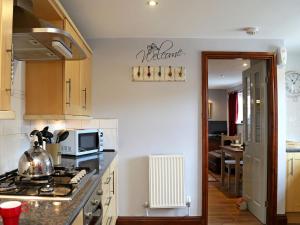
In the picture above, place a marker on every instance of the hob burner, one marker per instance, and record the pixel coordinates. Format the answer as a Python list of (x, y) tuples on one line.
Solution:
[(47, 188)]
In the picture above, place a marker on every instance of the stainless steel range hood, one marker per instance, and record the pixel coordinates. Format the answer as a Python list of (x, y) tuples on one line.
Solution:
[(36, 39)]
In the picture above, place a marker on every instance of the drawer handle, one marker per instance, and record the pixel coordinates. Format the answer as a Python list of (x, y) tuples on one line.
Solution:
[(99, 192), (108, 180), (109, 220), (108, 202)]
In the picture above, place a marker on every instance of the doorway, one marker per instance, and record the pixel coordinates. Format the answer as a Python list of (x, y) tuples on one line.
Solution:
[(270, 205)]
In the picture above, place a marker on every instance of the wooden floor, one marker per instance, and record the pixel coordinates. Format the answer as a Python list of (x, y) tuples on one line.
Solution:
[(293, 218), (222, 209)]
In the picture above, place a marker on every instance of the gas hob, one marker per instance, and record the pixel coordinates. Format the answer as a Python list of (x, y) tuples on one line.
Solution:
[(62, 185)]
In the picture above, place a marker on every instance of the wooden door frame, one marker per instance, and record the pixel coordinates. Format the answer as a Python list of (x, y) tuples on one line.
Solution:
[(272, 127)]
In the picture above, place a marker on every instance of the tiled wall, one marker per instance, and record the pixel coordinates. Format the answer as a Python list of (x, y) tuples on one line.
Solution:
[(14, 138)]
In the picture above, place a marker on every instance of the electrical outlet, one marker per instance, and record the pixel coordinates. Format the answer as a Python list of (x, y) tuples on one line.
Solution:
[(180, 74), (169, 73), (159, 73), (148, 73), (137, 73)]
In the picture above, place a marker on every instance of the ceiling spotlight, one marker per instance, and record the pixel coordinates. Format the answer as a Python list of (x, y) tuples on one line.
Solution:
[(152, 3), (251, 30), (245, 64)]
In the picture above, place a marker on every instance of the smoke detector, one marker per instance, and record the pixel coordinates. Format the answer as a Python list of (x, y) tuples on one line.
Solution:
[(251, 30)]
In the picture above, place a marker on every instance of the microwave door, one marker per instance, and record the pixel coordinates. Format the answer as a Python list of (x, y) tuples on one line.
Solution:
[(88, 141)]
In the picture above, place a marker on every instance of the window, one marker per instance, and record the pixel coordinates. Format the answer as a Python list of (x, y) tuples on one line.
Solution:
[(240, 108)]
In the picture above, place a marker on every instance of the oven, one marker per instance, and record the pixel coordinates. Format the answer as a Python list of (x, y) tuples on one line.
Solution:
[(93, 211)]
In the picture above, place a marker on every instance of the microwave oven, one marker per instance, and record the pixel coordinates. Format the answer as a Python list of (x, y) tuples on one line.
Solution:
[(82, 142)]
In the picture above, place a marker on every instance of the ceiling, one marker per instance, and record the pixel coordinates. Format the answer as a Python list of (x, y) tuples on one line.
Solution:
[(225, 73), (277, 19)]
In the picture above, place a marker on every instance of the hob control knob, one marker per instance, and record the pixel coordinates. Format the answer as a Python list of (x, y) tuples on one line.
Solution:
[(95, 202)]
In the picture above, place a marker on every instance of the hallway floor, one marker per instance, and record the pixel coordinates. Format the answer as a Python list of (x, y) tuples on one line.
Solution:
[(222, 209)]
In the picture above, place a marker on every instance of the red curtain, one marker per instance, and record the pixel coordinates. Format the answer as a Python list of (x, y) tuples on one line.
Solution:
[(233, 113)]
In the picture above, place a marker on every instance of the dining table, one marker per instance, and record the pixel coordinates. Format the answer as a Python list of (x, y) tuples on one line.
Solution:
[(235, 152)]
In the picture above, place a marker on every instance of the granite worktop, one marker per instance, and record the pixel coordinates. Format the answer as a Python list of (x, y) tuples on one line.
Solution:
[(292, 146), (45, 212)]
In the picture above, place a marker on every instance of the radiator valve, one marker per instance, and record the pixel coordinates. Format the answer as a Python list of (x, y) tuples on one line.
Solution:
[(188, 203)]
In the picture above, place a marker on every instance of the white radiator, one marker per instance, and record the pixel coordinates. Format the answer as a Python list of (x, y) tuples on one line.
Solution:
[(166, 181)]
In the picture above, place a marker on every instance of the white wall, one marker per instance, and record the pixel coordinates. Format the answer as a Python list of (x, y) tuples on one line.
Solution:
[(155, 118), (218, 97), (282, 127), (293, 104)]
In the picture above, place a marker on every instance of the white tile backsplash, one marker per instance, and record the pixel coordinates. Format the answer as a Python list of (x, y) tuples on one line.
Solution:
[(94, 123), (71, 124)]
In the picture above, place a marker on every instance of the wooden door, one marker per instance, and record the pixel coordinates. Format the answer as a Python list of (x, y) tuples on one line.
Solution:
[(255, 152), (6, 19), (293, 183), (85, 80)]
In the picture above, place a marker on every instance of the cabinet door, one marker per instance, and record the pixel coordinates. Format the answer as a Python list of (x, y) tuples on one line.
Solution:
[(72, 88), (289, 194), (6, 18), (85, 80), (72, 79), (293, 183)]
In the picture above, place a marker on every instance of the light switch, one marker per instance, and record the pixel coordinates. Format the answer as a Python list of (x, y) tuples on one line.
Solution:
[(180, 73), (159, 73), (137, 73), (148, 73), (169, 73)]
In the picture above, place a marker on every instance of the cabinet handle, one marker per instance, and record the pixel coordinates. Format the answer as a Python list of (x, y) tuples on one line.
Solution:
[(109, 220), (108, 202), (12, 75), (292, 167), (68, 82), (108, 180), (84, 90)]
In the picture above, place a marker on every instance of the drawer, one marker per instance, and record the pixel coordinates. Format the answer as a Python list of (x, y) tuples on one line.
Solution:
[(106, 203), (110, 217)]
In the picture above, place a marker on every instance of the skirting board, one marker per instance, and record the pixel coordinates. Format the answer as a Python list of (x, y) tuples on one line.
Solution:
[(191, 220), (281, 219)]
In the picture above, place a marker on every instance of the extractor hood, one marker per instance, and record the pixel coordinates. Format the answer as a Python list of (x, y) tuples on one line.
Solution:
[(36, 39)]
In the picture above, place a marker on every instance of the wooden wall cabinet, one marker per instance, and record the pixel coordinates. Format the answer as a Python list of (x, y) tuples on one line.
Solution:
[(59, 89), (109, 187), (6, 20), (293, 182)]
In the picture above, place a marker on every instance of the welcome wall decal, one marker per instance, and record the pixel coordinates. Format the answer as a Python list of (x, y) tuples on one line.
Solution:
[(156, 52)]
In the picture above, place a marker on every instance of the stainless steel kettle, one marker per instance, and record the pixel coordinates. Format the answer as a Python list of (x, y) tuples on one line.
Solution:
[(36, 162)]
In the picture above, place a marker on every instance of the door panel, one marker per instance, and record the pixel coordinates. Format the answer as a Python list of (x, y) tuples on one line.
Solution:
[(255, 153)]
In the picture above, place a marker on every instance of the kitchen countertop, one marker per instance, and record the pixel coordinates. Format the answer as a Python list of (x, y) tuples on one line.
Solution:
[(44, 212), (292, 146)]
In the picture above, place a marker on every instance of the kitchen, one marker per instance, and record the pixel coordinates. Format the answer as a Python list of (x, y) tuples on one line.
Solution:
[(54, 189), (139, 118)]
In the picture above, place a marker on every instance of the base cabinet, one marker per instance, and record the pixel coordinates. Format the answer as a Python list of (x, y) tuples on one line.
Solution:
[(79, 219), (293, 183), (109, 198)]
